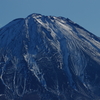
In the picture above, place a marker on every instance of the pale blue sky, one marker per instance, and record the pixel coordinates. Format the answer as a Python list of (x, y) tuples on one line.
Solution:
[(84, 12)]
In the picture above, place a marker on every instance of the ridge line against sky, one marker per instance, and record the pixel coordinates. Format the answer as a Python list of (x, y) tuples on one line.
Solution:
[(84, 12)]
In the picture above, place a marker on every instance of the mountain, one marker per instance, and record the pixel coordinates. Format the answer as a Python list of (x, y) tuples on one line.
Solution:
[(48, 58)]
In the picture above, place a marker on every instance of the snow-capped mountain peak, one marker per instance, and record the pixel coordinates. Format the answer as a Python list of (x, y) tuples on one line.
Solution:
[(48, 57)]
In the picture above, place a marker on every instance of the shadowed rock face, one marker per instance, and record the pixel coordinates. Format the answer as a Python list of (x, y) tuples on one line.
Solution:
[(48, 58)]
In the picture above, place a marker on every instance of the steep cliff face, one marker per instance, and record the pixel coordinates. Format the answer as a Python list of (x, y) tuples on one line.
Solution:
[(48, 58)]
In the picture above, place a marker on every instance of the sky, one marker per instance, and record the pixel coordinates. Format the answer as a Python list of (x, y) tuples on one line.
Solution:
[(86, 13)]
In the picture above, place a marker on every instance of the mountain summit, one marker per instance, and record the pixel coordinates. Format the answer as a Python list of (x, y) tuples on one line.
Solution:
[(48, 58)]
